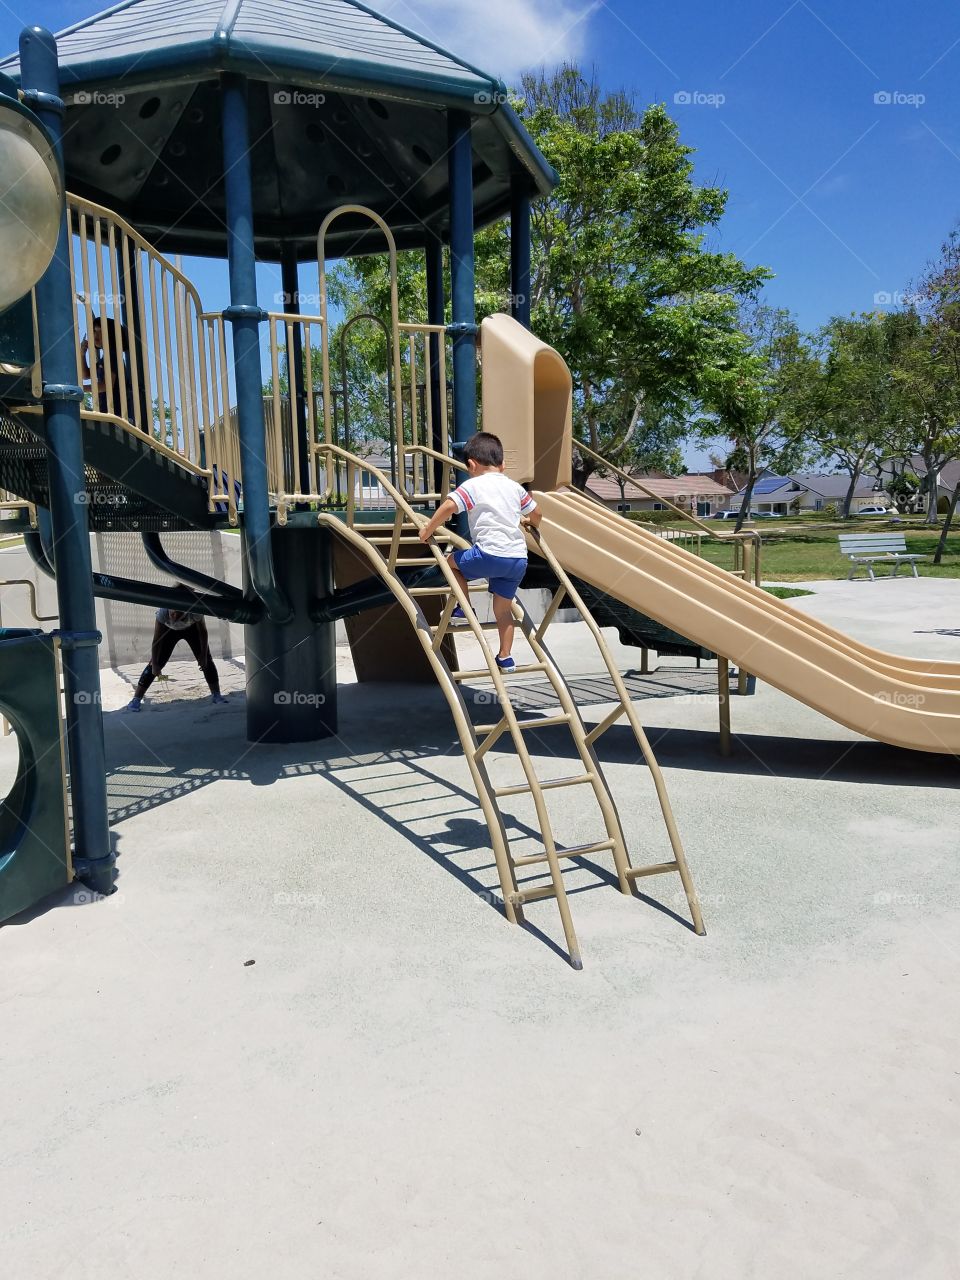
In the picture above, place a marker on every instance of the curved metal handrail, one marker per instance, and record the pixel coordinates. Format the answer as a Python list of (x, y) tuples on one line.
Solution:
[(743, 536)]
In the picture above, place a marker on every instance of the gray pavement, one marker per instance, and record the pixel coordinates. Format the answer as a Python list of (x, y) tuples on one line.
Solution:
[(404, 1085)]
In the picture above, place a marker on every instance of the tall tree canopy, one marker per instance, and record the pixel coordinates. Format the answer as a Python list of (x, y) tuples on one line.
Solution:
[(623, 284), (761, 399), (853, 406)]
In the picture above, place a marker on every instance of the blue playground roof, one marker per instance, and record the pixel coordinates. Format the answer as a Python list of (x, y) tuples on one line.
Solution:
[(341, 41), (346, 105)]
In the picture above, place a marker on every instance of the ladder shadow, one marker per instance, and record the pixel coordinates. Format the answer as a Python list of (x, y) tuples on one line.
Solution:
[(814, 759), (153, 761)]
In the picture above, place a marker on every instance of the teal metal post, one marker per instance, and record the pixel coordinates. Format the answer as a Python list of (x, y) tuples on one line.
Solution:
[(462, 299), (245, 316), (292, 670), (62, 397), (520, 253), (290, 281)]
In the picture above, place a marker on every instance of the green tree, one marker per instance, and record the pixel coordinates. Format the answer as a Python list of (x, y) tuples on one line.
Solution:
[(762, 399), (852, 405), (623, 283), (928, 368)]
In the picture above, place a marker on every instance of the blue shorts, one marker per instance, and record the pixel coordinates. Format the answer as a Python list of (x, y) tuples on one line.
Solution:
[(502, 572)]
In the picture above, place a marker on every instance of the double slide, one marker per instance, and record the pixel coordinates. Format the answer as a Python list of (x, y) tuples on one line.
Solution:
[(907, 702)]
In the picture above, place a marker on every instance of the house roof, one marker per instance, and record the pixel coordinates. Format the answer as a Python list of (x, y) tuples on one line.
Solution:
[(345, 105), (949, 472), (669, 487), (767, 484), (836, 486)]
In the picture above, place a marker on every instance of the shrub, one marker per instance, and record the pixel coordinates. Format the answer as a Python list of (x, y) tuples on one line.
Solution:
[(654, 517)]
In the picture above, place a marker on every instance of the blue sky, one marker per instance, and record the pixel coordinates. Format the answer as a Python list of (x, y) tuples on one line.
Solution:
[(835, 128)]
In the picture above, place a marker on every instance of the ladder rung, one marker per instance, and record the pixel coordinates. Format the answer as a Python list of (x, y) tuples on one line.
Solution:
[(531, 895), (654, 869), (411, 562), (578, 851), (486, 674), (386, 540), (458, 624), (541, 723), (550, 785), (441, 591)]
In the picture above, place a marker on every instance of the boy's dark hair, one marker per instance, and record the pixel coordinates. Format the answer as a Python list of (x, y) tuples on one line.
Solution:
[(485, 449)]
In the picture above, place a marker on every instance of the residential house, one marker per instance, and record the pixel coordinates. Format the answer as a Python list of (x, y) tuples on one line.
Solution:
[(947, 479), (797, 494), (700, 495)]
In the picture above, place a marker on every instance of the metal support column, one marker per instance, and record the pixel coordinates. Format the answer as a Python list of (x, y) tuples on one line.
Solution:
[(245, 316), (520, 253), (292, 670), (290, 281), (62, 397), (723, 698), (462, 297)]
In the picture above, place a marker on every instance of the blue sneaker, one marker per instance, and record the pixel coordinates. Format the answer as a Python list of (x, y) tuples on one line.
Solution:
[(458, 615), (506, 665), (133, 705), (218, 697)]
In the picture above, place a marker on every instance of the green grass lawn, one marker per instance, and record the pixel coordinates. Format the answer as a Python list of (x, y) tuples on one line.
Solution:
[(800, 552)]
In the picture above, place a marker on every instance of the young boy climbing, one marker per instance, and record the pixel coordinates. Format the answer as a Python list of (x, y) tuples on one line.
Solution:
[(495, 506)]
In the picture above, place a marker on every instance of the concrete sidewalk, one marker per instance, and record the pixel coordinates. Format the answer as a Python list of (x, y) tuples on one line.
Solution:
[(404, 1085)]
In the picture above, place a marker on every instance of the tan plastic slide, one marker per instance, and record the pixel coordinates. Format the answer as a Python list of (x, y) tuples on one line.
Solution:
[(528, 401), (904, 701)]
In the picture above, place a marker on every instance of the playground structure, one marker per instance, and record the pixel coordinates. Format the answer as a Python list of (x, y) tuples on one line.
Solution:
[(182, 435)]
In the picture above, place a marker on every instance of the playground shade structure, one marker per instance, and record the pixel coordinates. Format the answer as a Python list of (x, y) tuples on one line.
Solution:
[(178, 433)]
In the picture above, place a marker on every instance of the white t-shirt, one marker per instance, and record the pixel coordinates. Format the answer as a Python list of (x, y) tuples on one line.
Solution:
[(494, 504)]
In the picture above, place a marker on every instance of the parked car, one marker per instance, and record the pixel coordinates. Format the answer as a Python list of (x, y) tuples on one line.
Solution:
[(725, 515), (873, 511), (764, 515)]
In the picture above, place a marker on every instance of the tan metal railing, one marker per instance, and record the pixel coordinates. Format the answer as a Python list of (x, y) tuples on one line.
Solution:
[(387, 552), (150, 374), (427, 441), (746, 545), (417, 411)]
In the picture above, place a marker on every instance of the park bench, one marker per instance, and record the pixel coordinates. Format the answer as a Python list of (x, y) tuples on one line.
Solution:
[(868, 549)]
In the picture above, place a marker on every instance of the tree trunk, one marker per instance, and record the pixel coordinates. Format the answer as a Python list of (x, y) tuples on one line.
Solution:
[(942, 544), (930, 479), (747, 498), (848, 500)]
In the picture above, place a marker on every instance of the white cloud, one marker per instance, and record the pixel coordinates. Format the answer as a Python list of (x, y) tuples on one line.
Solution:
[(502, 37)]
